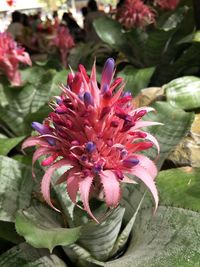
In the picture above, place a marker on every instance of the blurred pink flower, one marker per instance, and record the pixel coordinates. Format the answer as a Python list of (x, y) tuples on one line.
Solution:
[(64, 41), (169, 4), (10, 56), (134, 14), (96, 131)]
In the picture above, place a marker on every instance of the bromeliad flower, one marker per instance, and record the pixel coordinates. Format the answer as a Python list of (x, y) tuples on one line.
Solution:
[(169, 5), (64, 41), (10, 56), (134, 14), (96, 131)]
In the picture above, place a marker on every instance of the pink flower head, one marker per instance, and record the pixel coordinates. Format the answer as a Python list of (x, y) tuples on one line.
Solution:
[(134, 14), (10, 56), (96, 131), (64, 41), (167, 4)]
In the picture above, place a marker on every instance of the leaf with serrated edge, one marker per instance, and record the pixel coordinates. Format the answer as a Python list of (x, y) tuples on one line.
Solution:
[(40, 227)]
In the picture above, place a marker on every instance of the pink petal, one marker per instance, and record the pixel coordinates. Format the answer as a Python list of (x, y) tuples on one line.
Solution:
[(128, 180), (72, 186), (147, 109), (84, 188), (153, 140), (146, 178), (140, 124), (24, 58), (46, 180), (34, 141), (147, 164), (111, 188), (41, 151)]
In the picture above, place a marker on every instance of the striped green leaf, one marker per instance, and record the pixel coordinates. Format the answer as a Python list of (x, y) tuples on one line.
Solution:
[(15, 189), (7, 144), (100, 239), (176, 125), (30, 99), (42, 228), (184, 92), (24, 255), (170, 238)]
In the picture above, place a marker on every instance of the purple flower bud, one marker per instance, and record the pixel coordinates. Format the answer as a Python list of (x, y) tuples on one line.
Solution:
[(42, 129), (123, 153), (107, 72), (126, 94), (105, 89), (97, 168), (88, 99), (83, 158), (130, 162), (90, 147)]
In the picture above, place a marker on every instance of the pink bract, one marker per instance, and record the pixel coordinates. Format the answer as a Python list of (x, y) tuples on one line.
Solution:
[(96, 131), (64, 41), (10, 56), (135, 14)]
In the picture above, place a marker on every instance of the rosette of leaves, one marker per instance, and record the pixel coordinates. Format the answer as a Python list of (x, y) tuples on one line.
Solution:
[(39, 236)]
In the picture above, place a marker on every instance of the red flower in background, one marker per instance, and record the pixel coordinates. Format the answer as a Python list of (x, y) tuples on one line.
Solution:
[(64, 41), (134, 14), (167, 4), (96, 132), (10, 2), (10, 56)]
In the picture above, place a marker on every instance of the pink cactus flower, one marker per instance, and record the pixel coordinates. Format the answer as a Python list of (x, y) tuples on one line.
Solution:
[(97, 132), (135, 14), (64, 41), (169, 4), (10, 56)]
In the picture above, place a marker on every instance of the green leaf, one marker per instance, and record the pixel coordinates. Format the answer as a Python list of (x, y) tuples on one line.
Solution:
[(41, 227), (170, 239), (100, 239), (170, 20), (24, 255), (180, 188), (184, 92), (7, 144), (30, 99), (180, 61), (81, 257), (111, 32), (136, 79), (156, 45), (125, 234), (176, 125), (59, 79), (15, 189)]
